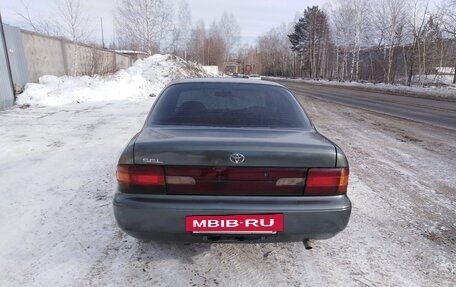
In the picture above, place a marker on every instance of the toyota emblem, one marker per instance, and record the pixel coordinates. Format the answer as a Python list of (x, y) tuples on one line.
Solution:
[(237, 158)]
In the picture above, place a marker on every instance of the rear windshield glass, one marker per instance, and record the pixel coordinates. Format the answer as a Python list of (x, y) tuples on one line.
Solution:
[(228, 105)]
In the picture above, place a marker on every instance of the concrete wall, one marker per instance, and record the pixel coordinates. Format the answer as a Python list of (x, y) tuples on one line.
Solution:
[(123, 62), (44, 55), (85, 60), (54, 56)]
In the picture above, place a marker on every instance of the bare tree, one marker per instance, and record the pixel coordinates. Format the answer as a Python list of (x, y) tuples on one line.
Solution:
[(380, 41), (183, 30), (350, 21), (447, 14), (68, 18), (416, 28), (274, 55), (447, 11), (362, 15), (215, 47), (389, 20), (196, 44), (230, 32), (37, 23), (342, 29), (144, 24), (73, 20)]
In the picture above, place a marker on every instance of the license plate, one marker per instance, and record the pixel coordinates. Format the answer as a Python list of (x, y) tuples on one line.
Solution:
[(235, 224)]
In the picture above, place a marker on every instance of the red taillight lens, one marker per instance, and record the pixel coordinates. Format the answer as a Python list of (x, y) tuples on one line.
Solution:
[(142, 176), (326, 181), (223, 180)]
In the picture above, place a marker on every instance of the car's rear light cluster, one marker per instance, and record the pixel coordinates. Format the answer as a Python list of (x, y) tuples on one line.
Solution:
[(326, 181), (237, 180), (232, 181), (141, 178)]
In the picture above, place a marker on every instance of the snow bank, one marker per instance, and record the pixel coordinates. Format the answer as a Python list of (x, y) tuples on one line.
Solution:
[(145, 78), (162, 69), (447, 93)]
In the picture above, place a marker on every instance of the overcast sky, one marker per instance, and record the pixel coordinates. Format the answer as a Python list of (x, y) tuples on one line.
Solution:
[(254, 16)]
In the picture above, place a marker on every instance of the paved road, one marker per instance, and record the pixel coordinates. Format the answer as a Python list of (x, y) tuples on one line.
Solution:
[(435, 112)]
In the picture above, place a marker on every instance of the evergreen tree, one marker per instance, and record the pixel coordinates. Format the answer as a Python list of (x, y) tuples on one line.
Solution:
[(310, 40)]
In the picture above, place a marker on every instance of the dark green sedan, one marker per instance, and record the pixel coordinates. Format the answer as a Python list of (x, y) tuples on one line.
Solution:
[(231, 160)]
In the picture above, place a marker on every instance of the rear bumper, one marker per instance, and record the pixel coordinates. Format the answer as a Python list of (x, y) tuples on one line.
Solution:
[(162, 217)]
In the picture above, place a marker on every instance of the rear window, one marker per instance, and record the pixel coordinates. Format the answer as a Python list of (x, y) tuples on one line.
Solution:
[(228, 105)]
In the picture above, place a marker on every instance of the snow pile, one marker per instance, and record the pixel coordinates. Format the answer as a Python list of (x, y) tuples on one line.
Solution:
[(145, 78), (162, 69), (212, 70), (433, 79), (52, 90)]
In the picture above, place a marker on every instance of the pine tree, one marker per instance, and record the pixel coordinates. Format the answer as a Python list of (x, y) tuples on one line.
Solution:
[(310, 40)]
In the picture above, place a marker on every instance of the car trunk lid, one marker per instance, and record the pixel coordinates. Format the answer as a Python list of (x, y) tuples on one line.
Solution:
[(213, 147)]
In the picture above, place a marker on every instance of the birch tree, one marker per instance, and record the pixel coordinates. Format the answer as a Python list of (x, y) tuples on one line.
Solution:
[(342, 29), (73, 20), (350, 21), (419, 14), (447, 13), (68, 19), (145, 24), (230, 32), (389, 19), (183, 29), (274, 55), (196, 44), (215, 47)]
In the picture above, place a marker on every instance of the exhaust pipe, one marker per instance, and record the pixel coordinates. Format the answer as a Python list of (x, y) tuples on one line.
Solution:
[(307, 244)]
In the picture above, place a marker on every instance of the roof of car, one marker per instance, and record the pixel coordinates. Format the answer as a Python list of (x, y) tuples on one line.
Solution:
[(227, 81)]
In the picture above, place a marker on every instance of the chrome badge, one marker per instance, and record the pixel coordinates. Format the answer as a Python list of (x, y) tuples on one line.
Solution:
[(237, 158)]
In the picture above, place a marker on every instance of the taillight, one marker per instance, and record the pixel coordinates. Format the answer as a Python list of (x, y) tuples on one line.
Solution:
[(224, 180), (326, 181), (143, 178)]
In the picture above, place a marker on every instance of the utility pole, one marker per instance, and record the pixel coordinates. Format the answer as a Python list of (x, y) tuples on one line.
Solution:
[(102, 32)]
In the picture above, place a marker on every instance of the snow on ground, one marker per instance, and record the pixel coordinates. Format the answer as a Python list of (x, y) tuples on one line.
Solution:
[(433, 79), (448, 92), (57, 226), (145, 78)]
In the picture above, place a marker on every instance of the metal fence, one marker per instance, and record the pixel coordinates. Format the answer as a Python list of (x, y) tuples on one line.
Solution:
[(16, 55), (6, 87)]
